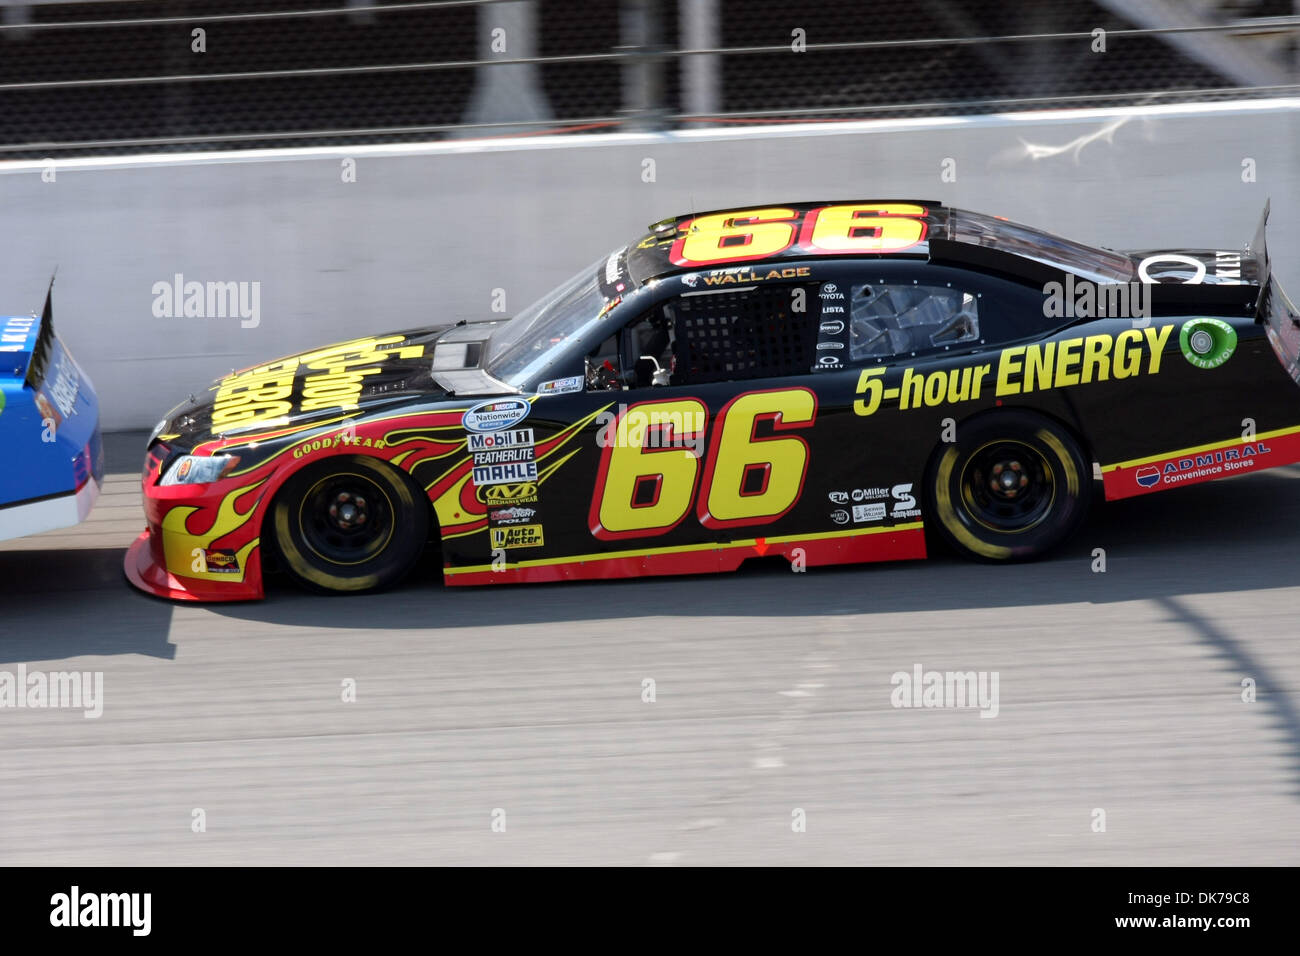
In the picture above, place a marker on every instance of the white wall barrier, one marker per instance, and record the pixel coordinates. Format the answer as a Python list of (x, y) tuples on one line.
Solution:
[(331, 243)]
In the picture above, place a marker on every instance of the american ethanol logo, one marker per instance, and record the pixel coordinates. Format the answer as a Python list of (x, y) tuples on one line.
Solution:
[(1207, 343)]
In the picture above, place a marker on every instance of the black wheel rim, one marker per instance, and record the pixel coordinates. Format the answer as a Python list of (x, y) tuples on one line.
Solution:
[(1007, 486), (346, 519)]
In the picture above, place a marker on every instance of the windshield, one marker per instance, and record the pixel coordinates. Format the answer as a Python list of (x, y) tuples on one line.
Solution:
[(1098, 264), (525, 345)]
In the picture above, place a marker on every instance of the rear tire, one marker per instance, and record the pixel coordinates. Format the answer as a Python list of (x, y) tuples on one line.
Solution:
[(1011, 488), (349, 524)]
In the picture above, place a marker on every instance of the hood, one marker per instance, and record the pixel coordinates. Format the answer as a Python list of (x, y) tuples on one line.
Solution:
[(334, 381)]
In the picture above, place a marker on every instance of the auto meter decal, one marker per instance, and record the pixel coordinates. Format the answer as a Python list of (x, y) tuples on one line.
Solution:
[(496, 415), (1207, 343)]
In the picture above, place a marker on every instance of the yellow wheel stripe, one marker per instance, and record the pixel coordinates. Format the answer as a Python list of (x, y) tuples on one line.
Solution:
[(944, 501)]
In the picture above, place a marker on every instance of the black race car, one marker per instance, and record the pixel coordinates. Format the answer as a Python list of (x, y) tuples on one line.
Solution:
[(820, 381)]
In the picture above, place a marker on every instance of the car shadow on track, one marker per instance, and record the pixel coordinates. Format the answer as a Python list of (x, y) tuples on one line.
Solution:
[(1234, 535), (72, 603)]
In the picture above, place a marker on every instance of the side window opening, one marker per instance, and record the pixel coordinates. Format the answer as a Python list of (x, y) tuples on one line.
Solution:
[(602, 367), (888, 320), (725, 335), (758, 332)]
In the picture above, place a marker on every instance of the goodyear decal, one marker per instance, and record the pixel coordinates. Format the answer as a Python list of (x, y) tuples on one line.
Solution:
[(1021, 370), (344, 439)]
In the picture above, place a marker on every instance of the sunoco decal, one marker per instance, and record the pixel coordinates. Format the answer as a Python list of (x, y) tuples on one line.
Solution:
[(496, 415)]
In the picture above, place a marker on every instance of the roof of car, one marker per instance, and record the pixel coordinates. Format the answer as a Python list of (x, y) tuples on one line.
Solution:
[(659, 251), (744, 237)]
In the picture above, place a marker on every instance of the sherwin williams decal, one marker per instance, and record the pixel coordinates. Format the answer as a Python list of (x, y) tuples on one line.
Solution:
[(1207, 343), (496, 415)]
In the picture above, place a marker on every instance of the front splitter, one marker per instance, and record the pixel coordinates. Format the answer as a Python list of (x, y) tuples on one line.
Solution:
[(149, 576)]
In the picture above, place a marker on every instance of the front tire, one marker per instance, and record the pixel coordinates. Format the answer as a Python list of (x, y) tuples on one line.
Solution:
[(1011, 488), (349, 524)]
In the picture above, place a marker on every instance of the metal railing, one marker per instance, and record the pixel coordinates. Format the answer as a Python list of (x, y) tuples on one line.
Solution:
[(647, 63)]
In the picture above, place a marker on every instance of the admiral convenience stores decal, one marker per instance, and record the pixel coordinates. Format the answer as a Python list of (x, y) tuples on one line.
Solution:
[(1211, 464)]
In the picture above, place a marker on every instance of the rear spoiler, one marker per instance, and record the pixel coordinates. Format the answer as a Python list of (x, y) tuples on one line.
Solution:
[(1258, 248), (24, 338), (44, 339), (1280, 317)]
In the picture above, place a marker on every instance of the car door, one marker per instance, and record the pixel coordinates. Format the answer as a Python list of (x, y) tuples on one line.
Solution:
[(900, 355), (710, 445)]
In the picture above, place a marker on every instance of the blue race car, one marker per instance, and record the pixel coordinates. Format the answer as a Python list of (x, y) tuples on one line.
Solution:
[(51, 458)]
